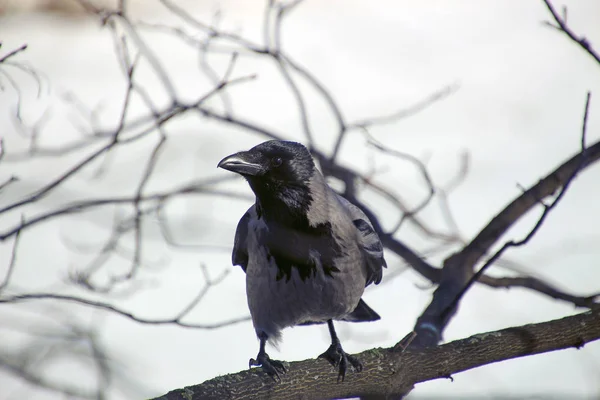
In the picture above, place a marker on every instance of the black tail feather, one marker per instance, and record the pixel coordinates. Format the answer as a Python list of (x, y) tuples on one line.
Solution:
[(362, 313)]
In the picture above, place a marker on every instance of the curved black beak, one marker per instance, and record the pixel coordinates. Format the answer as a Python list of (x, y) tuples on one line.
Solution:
[(242, 163)]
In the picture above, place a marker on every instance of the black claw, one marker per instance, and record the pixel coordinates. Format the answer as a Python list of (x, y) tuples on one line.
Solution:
[(356, 364), (273, 368), (340, 359)]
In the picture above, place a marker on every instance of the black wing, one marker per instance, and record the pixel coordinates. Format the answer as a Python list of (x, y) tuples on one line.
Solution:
[(371, 245), (239, 256)]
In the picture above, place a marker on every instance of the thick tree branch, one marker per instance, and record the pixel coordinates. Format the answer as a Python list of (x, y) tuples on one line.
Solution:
[(388, 373)]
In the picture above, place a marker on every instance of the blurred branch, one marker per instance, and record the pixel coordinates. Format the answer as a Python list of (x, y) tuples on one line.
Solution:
[(416, 108), (443, 193), (50, 336), (156, 120), (195, 187), (209, 284), (37, 380), (11, 264), (114, 142), (6, 61), (390, 373), (109, 307)]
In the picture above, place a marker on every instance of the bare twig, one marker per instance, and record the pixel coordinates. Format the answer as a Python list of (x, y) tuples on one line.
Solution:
[(116, 310), (116, 141), (200, 186), (562, 26), (208, 284), (12, 262), (416, 108), (424, 173), (37, 380), (541, 287), (13, 53)]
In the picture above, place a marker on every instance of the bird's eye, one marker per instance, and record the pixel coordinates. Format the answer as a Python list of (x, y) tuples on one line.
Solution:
[(276, 161)]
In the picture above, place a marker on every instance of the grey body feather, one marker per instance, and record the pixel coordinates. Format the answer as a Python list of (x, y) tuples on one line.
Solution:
[(277, 301)]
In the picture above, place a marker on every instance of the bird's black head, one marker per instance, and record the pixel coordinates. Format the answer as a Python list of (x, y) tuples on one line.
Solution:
[(278, 172), (275, 162)]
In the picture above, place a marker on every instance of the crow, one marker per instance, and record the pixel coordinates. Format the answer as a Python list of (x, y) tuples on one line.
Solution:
[(308, 253)]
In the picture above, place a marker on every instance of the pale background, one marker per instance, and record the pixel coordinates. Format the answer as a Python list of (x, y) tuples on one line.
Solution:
[(518, 112)]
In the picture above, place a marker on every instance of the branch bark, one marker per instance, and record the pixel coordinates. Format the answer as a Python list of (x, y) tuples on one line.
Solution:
[(390, 374)]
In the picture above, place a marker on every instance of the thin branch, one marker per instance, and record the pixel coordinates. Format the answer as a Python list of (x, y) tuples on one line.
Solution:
[(208, 284), (201, 186), (113, 309), (443, 192), (151, 57), (10, 180), (116, 141), (424, 173), (562, 26), (414, 109), (283, 68), (13, 260), (13, 53), (152, 161), (49, 187), (37, 380), (337, 113), (537, 285), (168, 237), (185, 16)]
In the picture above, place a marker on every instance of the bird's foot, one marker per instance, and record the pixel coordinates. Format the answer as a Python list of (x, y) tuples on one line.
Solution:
[(340, 359), (273, 368)]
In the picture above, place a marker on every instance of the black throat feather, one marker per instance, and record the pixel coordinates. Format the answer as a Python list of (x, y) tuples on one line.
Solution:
[(291, 241)]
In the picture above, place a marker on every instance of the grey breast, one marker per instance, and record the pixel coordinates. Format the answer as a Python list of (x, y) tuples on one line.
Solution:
[(278, 302)]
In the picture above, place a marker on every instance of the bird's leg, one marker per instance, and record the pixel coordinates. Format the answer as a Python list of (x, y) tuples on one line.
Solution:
[(337, 356), (272, 367)]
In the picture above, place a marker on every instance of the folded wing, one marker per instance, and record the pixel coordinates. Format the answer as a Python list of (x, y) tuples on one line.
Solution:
[(371, 245), (239, 256)]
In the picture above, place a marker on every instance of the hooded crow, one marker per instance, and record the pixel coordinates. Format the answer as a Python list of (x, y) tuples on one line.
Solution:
[(308, 253)]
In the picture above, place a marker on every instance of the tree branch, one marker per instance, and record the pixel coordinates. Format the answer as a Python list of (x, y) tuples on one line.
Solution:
[(388, 373), (12, 53), (562, 27), (537, 285), (109, 307), (458, 273)]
